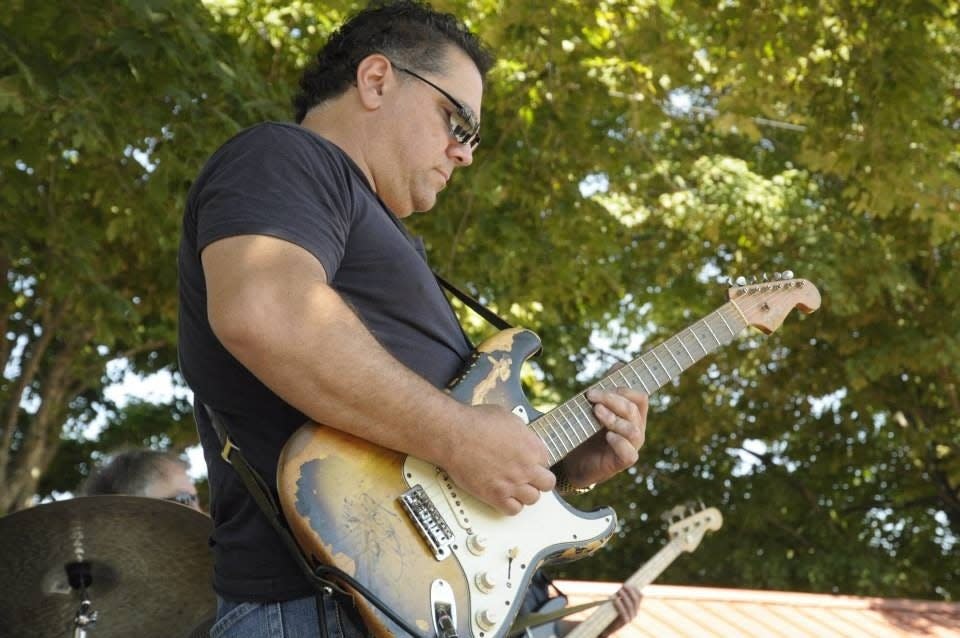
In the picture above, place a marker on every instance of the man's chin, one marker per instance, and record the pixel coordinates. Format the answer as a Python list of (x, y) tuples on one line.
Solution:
[(424, 204)]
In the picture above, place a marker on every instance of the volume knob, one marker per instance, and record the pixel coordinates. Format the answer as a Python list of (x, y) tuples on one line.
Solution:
[(487, 619), (477, 544), (485, 582)]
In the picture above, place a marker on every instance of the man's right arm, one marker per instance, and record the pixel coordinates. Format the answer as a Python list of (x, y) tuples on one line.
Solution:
[(270, 306)]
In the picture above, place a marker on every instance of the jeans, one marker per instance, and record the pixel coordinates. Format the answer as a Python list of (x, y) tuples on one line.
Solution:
[(297, 618)]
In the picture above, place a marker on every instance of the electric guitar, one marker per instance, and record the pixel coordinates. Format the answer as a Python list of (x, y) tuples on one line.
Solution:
[(441, 560), (685, 536)]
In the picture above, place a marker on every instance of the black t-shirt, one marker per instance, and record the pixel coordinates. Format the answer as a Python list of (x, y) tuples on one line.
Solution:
[(285, 181)]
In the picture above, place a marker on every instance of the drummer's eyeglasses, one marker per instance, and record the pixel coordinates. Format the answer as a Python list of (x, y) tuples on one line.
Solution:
[(184, 498), (463, 124)]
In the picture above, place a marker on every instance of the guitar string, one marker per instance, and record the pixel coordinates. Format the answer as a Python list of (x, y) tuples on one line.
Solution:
[(742, 307), (578, 400), (768, 296)]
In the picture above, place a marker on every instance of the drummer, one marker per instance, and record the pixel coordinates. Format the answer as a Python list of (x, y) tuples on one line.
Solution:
[(144, 472)]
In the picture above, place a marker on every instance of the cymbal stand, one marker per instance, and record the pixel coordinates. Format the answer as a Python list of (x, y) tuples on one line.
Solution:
[(79, 577)]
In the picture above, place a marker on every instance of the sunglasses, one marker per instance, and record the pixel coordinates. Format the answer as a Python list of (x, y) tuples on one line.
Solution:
[(184, 498), (464, 126)]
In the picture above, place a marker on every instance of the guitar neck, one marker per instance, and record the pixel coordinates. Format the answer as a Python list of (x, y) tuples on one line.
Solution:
[(572, 422), (606, 613)]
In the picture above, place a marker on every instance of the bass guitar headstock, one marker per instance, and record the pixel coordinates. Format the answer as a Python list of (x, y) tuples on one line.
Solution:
[(689, 531)]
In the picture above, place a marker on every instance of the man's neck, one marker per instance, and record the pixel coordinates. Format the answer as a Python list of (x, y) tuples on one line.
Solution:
[(338, 122)]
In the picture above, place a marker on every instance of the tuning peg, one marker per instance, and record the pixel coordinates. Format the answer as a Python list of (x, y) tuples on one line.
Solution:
[(788, 274), (753, 279), (673, 514), (764, 277), (777, 276), (741, 281)]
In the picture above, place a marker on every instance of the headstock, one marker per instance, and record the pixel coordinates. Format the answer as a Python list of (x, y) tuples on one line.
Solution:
[(765, 304), (688, 532)]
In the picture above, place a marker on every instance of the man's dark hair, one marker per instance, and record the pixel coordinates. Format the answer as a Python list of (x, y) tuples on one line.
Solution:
[(410, 33), (130, 472)]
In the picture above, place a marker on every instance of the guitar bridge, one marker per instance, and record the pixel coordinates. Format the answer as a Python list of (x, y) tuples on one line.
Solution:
[(428, 521)]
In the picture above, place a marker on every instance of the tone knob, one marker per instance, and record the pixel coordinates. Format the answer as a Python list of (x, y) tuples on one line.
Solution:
[(485, 582), (477, 544), (487, 619)]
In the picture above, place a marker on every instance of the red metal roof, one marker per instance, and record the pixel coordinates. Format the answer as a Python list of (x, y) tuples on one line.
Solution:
[(680, 612)]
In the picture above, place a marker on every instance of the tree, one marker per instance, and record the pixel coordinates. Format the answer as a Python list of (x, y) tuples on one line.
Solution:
[(633, 153), (750, 161), (106, 113)]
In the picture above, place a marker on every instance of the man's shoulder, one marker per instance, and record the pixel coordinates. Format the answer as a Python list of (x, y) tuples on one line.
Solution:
[(282, 136), (277, 151)]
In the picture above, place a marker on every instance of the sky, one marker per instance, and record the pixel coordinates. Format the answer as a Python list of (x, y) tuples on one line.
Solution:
[(156, 388)]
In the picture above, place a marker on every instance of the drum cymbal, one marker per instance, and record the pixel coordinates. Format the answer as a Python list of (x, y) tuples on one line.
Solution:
[(146, 560)]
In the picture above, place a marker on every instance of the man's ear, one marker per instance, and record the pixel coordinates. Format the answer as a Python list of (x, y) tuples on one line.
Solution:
[(373, 77)]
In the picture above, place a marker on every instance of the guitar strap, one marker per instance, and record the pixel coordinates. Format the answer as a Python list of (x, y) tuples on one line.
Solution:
[(323, 578), (493, 318)]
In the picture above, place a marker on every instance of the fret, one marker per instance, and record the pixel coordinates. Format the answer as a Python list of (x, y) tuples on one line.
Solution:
[(586, 434), (628, 383), (699, 343), (662, 367), (720, 314), (622, 376), (557, 439), (576, 402), (652, 375), (639, 378), (706, 324), (692, 360), (544, 431), (670, 352), (566, 431), (741, 320)]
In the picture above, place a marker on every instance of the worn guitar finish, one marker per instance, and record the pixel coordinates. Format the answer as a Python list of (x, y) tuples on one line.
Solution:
[(399, 526), (345, 495)]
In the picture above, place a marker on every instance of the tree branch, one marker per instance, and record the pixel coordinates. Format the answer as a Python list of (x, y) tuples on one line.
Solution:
[(924, 501), (5, 346), (156, 344), (33, 355), (949, 389), (790, 477), (27, 466)]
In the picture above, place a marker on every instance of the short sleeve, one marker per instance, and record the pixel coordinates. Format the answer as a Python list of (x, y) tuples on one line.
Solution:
[(282, 181)]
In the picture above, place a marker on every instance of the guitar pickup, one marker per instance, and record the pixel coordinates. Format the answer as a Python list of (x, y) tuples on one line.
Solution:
[(428, 521)]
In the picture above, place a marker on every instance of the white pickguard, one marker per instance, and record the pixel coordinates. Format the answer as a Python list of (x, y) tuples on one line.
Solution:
[(497, 552)]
